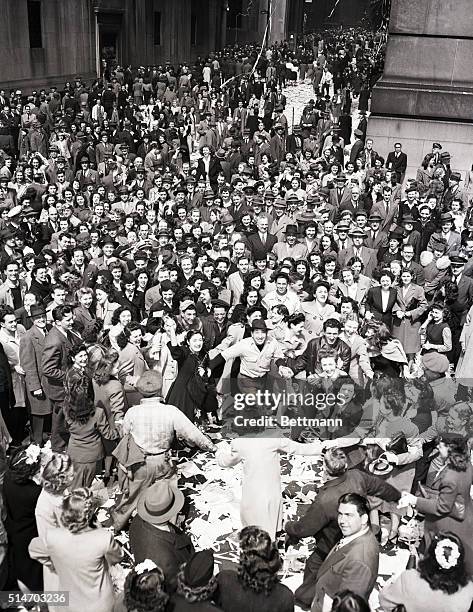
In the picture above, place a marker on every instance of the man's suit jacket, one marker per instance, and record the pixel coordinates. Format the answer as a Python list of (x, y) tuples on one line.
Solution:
[(353, 567), (277, 148), (453, 242), (398, 164), (380, 240), (356, 149), (465, 295), (336, 200), (364, 283), (92, 177), (168, 549), (387, 216), (31, 355), (259, 249), (54, 363), (368, 257)]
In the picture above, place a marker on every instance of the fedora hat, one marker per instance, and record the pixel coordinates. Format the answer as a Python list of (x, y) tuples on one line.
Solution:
[(159, 502), (37, 310), (150, 383), (290, 230), (259, 324), (380, 467)]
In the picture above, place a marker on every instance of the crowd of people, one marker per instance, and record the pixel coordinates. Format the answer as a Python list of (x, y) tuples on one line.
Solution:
[(171, 249)]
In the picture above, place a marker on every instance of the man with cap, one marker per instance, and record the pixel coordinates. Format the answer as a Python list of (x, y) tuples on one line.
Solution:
[(453, 191), (257, 353), (85, 174), (359, 250), (464, 284), (154, 534), (31, 350), (358, 146), (290, 247), (376, 238), (436, 152), (445, 159), (341, 193), (451, 238), (151, 427), (294, 141), (277, 144), (409, 206)]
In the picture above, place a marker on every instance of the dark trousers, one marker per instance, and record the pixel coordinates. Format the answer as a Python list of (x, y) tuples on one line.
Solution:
[(15, 418), (40, 424), (306, 592), (59, 433)]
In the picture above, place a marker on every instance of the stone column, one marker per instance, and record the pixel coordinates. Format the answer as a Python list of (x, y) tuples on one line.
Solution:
[(426, 92)]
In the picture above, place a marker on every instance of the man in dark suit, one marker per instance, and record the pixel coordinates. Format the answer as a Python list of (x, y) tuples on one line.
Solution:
[(31, 352), (397, 161), (294, 140), (387, 209), (357, 147), (341, 193), (277, 144), (358, 249), (352, 564), (261, 242), (376, 238), (464, 283), (320, 520), (85, 175), (208, 167), (153, 534), (57, 344)]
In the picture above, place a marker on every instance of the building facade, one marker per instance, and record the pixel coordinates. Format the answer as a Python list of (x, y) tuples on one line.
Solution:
[(49, 42)]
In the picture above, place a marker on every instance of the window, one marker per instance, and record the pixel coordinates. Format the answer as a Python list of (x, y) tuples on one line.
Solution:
[(34, 24), (193, 30), (157, 28)]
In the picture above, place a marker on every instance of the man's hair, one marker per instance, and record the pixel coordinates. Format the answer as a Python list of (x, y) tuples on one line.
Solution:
[(359, 501), (336, 462), (61, 311), (332, 323)]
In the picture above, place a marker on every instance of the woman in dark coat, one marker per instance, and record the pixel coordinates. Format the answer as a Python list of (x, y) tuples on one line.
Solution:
[(381, 300), (190, 391), (196, 585), (449, 490), (21, 494), (255, 586)]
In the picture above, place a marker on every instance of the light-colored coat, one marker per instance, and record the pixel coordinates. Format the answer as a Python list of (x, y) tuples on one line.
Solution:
[(262, 476), (31, 352), (84, 574)]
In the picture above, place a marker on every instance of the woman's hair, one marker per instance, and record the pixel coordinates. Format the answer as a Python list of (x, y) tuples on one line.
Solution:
[(103, 369), (296, 318), (75, 350), (116, 314), (335, 461), (191, 333), (244, 295), (281, 310), (20, 469), (83, 291), (58, 473), (458, 455), (382, 335), (448, 580), (145, 592), (194, 593), (78, 510), (426, 160), (123, 338), (259, 560), (348, 601)]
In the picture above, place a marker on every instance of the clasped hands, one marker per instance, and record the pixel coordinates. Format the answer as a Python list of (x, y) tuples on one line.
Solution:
[(407, 499)]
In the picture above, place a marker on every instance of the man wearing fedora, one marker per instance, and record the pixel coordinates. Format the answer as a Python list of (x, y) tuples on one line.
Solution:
[(341, 193), (281, 219), (452, 239), (358, 249), (154, 534), (290, 247), (453, 191), (31, 351), (150, 428)]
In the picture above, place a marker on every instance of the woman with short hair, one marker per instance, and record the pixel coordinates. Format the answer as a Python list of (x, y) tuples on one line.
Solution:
[(439, 583), (80, 554), (255, 585)]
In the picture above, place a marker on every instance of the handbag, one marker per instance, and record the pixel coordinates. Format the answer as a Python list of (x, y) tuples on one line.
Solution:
[(458, 510), (398, 444)]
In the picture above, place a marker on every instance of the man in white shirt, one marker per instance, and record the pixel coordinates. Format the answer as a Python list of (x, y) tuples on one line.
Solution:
[(282, 295)]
